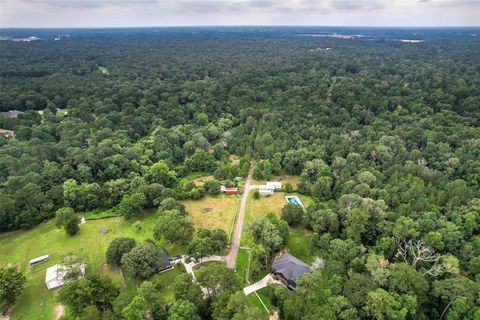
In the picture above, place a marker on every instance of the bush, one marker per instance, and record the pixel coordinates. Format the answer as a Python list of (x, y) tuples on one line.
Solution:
[(287, 187), (256, 194), (212, 187)]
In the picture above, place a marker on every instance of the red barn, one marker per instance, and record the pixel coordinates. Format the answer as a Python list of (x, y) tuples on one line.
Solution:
[(229, 190)]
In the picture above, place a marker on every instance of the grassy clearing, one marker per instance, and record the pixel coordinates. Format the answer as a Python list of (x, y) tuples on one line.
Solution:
[(234, 159), (201, 180), (36, 302), (193, 176), (242, 263), (260, 208), (222, 215), (200, 266), (299, 244), (254, 301)]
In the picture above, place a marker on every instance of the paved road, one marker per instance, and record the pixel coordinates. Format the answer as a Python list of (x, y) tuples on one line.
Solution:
[(232, 256)]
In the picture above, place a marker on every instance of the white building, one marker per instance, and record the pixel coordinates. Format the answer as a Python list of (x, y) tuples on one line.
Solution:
[(55, 275), (275, 184), (39, 260), (266, 190)]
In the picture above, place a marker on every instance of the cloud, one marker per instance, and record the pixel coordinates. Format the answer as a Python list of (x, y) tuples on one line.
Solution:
[(203, 7), (352, 5), (90, 4), (452, 3)]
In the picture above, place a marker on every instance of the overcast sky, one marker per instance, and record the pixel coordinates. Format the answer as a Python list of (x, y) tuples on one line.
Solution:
[(117, 13)]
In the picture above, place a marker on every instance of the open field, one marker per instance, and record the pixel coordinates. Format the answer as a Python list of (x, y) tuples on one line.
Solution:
[(36, 302), (214, 212), (260, 208), (201, 180)]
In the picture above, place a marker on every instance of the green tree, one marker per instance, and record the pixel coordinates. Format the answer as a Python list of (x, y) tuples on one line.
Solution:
[(132, 205), (93, 290), (383, 305), (143, 261), (183, 310), (67, 219), (174, 226), (160, 173), (11, 285), (117, 248), (292, 213), (219, 238), (135, 310)]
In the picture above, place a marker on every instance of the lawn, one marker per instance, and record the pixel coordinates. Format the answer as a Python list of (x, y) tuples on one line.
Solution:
[(254, 301), (36, 302), (214, 212), (242, 263), (260, 208), (299, 244), (165, 281)]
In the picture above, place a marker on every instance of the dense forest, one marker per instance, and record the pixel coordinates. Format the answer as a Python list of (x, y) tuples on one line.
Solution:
[(383, 134)]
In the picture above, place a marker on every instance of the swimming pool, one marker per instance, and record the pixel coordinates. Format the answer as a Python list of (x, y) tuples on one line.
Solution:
[(295, 200)]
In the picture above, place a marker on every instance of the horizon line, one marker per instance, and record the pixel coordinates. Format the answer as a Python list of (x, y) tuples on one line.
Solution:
[(242, 25)]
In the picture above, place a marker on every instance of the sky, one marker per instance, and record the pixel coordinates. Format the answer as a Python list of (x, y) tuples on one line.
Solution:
[(124, 13)]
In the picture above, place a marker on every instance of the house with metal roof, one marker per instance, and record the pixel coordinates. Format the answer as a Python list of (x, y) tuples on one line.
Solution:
[(287, 269)]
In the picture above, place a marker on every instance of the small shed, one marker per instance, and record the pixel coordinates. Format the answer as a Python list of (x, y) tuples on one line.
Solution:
[(275, 184), (38, 260), (231, 190)]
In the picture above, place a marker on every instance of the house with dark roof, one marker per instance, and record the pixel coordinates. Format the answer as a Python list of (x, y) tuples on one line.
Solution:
[(287, 269), (164, 263)]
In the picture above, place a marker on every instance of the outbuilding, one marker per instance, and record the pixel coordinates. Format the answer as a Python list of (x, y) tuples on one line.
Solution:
[(266, 190), (38, 260), (230, 190), (55, 276), (275, 184)]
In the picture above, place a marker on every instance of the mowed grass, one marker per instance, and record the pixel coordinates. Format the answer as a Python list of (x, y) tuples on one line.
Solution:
[(299, 244), (36, 302), (260, 208), (253, 301), (242, 264), (222, 214)]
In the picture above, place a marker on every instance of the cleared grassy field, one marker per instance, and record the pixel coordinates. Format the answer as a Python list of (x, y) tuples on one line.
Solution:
[(260, 208), (36, 302), (214, 212)]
